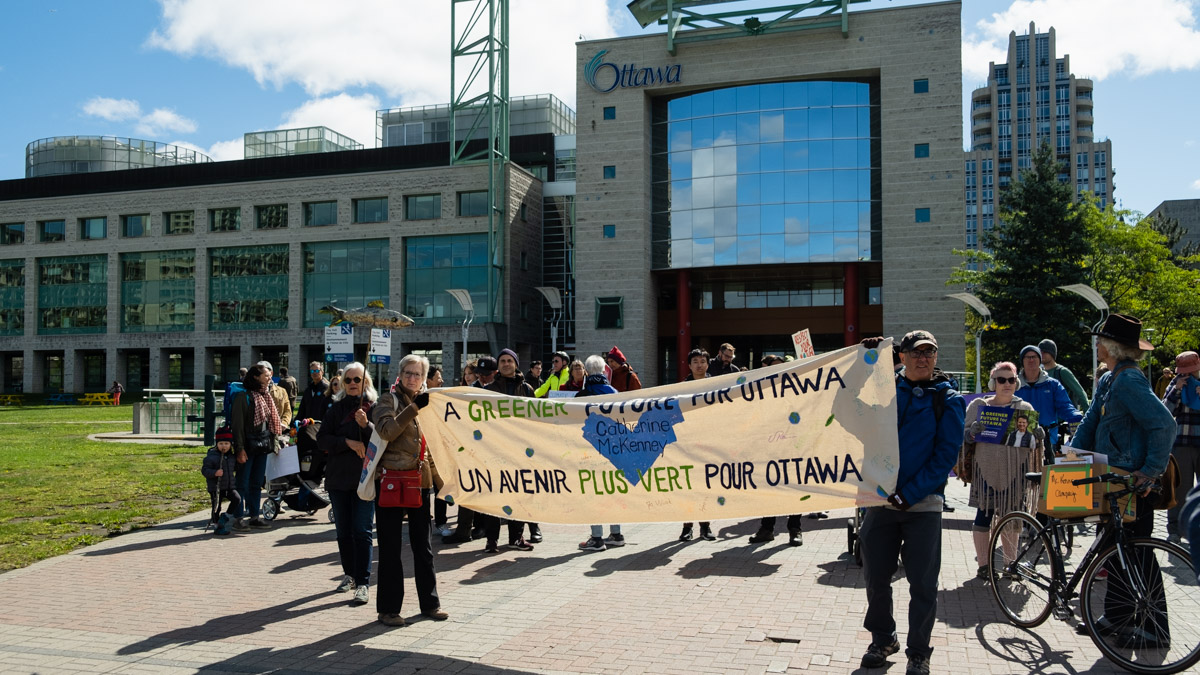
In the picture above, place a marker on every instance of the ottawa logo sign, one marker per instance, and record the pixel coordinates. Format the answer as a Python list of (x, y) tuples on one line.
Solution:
[(604, 76)]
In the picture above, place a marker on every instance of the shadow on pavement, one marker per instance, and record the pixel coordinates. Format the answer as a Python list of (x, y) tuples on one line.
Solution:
[(301, 563), (342, 653), (1022, 648), (843, 573), (734, 562), (149, 545), (505, 569), (636, 561)]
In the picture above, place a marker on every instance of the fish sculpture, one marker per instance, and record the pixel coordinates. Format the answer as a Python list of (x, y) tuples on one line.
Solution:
[(374, 315)]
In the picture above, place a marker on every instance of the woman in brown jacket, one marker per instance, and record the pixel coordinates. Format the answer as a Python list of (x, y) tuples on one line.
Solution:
[(395, 419)]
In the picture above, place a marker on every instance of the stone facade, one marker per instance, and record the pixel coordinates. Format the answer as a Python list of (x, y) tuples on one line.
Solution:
[(894, 46)]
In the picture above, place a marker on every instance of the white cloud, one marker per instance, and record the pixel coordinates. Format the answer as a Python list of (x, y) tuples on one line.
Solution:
[(1103, 37), (353, 116), (112, 109), (403, 48), (219, 152), (164, 120), (1196, 184)]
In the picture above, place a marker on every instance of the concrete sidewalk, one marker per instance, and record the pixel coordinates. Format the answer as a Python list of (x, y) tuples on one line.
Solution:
[(176, 599)]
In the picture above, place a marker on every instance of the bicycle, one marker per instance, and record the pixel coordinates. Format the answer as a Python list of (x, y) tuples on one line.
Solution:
[(1139, 597)]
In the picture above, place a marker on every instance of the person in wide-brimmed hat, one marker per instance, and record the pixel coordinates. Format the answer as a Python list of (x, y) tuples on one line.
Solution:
[(1182, 398), (1127, 422)]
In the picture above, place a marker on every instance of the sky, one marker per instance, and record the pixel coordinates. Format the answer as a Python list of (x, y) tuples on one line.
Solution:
[(200, 73)]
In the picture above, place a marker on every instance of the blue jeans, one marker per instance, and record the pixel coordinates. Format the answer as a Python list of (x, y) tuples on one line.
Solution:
[(250, 478), (353, 519)]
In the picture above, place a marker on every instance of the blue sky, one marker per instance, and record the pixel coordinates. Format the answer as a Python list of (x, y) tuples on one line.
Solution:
[(203, 72)]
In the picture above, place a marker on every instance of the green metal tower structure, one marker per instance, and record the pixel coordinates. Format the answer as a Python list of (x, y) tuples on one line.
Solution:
[(479, 97)]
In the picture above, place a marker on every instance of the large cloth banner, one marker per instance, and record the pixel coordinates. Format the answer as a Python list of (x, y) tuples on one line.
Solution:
[(799, 436)]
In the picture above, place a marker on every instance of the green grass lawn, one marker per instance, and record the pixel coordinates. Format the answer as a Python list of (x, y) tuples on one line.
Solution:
[(60, 491)]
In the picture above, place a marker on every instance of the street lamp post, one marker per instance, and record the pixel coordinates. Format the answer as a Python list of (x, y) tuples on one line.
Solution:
[(463, 297), (1092, 296), (554, 299), (976, 304)]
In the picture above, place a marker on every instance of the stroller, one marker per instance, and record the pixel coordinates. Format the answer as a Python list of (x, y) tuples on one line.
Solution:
[(300, 492)]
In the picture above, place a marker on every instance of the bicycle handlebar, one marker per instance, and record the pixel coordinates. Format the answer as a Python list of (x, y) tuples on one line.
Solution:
[(1127, 480)]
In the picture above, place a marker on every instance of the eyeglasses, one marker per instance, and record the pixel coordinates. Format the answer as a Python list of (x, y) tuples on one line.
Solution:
[(314, 371), (1006, 380), (923, 353), (409, 373), (352, 380)]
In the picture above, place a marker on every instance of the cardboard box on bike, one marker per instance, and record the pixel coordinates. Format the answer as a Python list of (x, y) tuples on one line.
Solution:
[(1060, 499)]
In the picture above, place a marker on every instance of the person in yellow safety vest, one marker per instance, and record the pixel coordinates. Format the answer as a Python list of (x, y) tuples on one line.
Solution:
[(559, 375)]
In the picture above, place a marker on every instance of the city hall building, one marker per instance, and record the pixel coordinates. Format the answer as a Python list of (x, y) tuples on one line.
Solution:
[(738, 190)]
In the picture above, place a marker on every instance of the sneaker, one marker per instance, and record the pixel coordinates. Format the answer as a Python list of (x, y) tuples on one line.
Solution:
[(615, 540), (593, 544), (686, 535), (876, 656), (362, 595), (535, 533), (239, 525), (795, 538), (982, 573), (346, 585), (436, 614), (456, 537), (392, 620), (520, 544), (917, 665), (706, 533), (762, 536), (445, 531), (259, 524), (492, 546)]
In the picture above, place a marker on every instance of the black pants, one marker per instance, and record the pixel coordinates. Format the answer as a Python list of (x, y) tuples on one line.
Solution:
[(794, 523), (439, 512), (491, 525), (389, 530), (219, 496), (916, 538), (1120, 601)]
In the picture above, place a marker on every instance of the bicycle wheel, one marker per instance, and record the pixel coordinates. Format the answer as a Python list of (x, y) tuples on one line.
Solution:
[(1020, 570), (1145, 616)]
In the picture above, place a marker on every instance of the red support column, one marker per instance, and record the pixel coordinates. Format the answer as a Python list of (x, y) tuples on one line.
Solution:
[(851, 333), (683, 301)]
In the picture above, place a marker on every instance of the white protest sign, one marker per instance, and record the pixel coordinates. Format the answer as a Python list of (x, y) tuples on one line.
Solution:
[(802, 341), (339, 343), (381, 346)]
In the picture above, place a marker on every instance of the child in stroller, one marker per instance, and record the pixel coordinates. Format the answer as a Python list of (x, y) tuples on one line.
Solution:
[(301, 492)]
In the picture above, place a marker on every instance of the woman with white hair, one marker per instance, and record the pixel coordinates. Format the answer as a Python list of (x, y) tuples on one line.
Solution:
[(395, 418), (344, 435), (596, 384)]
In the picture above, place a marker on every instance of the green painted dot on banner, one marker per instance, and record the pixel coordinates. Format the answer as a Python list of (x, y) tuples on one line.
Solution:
[(805, 497), (830, 420), (461, 448), (449, 500), (507, 510), (721, 501), (478, 435), (529, 452), (794, 418)]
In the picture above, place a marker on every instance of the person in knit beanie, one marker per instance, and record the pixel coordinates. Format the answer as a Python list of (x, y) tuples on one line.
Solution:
[(218, 470), (1061, 373)]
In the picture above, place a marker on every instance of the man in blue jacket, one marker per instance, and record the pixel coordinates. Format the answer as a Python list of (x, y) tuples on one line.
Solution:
[(1047, 395), (929, 419)]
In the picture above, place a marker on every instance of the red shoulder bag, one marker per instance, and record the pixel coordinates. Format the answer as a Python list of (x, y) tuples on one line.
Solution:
[(402, 488)]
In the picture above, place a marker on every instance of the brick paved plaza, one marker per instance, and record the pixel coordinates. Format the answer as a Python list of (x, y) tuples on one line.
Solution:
[(174, 599)]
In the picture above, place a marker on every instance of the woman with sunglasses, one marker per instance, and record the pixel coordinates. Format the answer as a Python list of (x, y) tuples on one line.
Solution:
[(996, 471), (344, 435)]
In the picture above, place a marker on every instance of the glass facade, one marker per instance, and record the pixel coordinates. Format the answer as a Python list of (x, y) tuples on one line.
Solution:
[(88, 154), (768, 173), (12, 297), (346, 273), (52, 230), (158, 291), (473, 203), (12, 233), (135, 226), (272, 217), (434, 264), (317, 214), (371, 210), (72, 294), (93, 228), (422, 207), (287, 142), (179, 222), (248, 287), (225, 220)]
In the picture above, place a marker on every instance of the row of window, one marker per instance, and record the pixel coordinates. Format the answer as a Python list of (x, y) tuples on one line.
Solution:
[(269, 217)]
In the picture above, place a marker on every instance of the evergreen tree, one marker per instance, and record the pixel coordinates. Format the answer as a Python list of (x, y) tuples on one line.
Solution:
[(1039, 243)]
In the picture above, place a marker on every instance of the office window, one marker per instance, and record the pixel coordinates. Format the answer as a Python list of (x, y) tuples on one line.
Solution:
[(248, 287), (610, 172), (473, 203), (317, 214), (272, 217), (225, 220), (374, 210), (345, 273), (609, 312), (610, 112), (72, 295), (12, 297), (433, 264), (52, 230), (920, 86), (93, 228), (135, 226), (12, 233), (179, 222), (158, 291), (564, 164), (610, 231), (922, 215), (422, 207), (921, 150), (524, 216)]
